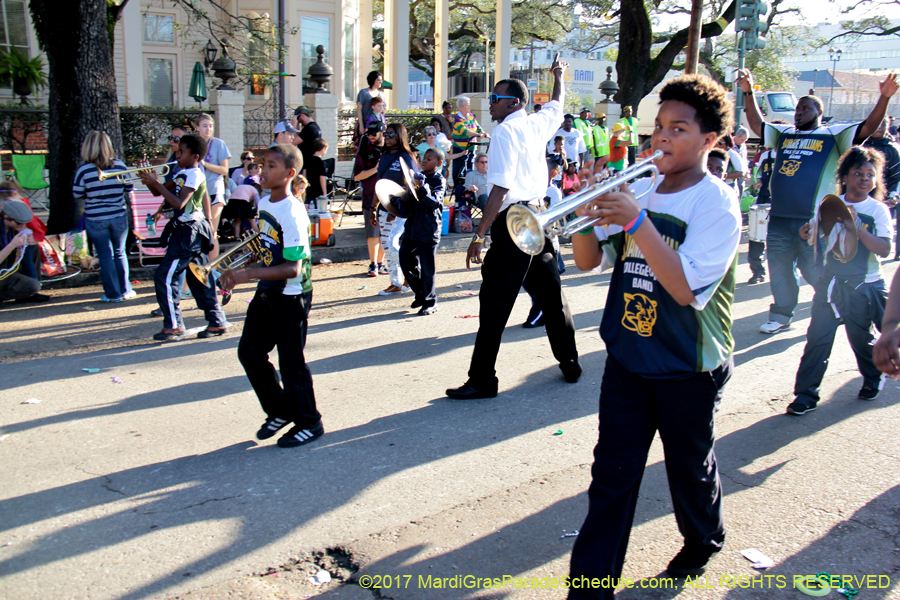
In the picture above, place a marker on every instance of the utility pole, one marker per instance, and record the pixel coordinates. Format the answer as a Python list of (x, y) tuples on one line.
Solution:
[(753, 28), (281, 102), (693, 46)]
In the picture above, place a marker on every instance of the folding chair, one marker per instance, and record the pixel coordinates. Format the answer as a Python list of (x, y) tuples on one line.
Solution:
[(146, 245), (341, 189), (29, 171)]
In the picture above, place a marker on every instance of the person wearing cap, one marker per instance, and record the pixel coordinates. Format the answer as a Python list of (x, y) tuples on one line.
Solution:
[(22, 282), (573, 141), (309, 132), (284, 133), (618, 148), (583, 125), (630, 124), (601, 142), (365, 171)]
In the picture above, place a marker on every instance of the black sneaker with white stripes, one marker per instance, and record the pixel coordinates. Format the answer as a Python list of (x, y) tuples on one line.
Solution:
[(270, 428), (298, 436)]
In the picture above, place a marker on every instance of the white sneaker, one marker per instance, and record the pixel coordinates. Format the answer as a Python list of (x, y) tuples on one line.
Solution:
[(773, 327), (391, 289), (404, 289), (130, 295)]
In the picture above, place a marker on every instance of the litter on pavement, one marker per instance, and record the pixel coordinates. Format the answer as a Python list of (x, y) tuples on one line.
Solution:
[(320, 578), (91, 370), (759, 560)]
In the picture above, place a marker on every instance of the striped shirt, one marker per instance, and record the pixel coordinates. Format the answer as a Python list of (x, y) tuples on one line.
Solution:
[(103, 199)]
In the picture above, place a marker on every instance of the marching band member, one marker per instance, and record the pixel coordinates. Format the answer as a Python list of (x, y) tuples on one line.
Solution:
[(667, 328), (517, 170)]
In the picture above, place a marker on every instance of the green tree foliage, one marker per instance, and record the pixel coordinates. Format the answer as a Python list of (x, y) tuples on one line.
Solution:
[(472, 22), (767, 65)]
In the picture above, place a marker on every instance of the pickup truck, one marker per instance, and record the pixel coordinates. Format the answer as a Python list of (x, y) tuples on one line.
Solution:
[(775, 104)]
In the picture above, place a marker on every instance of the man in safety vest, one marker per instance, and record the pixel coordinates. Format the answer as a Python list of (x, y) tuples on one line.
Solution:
[(583, 125), (600, 135), (631, 126)]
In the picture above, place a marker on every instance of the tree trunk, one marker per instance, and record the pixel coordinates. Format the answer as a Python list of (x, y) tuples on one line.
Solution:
[(637, 72), (633, 62), (82, 93)]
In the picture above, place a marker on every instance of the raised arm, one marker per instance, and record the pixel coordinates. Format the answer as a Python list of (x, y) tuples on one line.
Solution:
[(873, 121), (754, 117)]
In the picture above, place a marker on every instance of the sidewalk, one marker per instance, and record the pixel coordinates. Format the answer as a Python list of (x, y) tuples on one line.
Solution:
[(350, 246)]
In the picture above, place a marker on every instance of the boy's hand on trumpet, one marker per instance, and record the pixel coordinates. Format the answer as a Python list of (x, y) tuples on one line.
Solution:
[(614, 208)]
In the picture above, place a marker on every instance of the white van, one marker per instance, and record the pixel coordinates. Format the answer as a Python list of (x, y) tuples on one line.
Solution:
[(775, 104)]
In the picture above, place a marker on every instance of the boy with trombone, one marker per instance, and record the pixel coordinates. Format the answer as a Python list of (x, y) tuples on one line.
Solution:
[(667, 328), (188, 237)]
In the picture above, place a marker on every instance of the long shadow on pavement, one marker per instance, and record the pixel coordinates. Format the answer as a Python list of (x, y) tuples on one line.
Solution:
[(500, 552)]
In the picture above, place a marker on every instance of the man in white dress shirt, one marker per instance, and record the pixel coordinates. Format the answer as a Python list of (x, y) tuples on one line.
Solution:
[(517, 170)]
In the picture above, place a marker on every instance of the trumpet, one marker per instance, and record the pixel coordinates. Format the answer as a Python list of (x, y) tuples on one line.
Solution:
[(527, 229), (104, 175), (247, 247)]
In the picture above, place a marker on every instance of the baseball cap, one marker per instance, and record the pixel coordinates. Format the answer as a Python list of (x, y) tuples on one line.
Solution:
[(283, 126), (303, 110), (374, 128), (584, 110)]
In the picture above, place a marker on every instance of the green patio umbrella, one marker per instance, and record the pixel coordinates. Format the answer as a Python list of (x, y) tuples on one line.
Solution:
[(197, 90)]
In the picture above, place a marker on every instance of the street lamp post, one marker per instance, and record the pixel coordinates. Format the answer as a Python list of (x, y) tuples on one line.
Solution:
[(834, 56)]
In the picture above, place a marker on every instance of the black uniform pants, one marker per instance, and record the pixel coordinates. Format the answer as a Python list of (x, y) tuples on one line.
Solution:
[(632, 410), (823, 324), (504, 269), (417, 263), (276, 319)]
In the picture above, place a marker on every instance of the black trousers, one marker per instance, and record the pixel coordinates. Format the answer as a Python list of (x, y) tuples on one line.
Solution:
[(417, 263), (278, 320), (632, 410), (502, 274), (755, 254), (823, 325)]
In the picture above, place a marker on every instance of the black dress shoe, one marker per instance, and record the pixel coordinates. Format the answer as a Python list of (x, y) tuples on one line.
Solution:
[(467, 392), (571, 371), (691, 561), (417, 303), (757, 279)]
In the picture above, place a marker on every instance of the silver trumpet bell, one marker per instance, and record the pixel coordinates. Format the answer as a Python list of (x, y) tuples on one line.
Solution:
[(528, 229)]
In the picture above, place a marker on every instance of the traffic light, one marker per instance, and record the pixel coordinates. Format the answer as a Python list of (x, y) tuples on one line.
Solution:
[(746, 15), (752, 23)]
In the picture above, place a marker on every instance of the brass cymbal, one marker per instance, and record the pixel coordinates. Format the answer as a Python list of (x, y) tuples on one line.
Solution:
[(387, 189)]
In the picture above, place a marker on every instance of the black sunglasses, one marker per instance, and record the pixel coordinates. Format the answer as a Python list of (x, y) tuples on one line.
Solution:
[(390, 134), (249, 158), (174, 138)]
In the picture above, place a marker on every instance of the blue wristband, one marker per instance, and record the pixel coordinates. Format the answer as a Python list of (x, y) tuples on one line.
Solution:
[(637, 222)]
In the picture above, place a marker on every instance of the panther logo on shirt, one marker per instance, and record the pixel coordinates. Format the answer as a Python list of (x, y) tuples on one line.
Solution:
[(790, 167), (640, 314)]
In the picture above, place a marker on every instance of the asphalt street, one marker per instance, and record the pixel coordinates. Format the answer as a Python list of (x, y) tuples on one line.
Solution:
[(144, 480)]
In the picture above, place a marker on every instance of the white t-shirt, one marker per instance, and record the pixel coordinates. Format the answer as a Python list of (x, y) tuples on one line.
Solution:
[(555, 195), (876, 219), (709, 219), (573, 144), (284, 234)]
